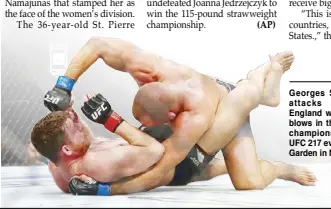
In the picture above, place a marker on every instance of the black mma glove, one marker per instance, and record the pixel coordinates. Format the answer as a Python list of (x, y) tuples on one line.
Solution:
[(98, 110), (59, 98), (78, 187)]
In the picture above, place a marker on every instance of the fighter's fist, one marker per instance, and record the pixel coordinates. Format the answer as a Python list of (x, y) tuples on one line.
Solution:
[(98, 110), (59, 98)]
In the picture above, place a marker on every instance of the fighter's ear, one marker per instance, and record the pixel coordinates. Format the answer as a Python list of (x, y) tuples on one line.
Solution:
[(66, 150), (171, 116)]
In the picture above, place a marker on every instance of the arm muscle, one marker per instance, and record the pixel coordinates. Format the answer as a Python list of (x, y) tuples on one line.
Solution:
[(189, 129), (114, 52), (122, 161)]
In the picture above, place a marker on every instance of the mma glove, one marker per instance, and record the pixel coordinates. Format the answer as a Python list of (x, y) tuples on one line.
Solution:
[(59, 98), (78, 187), (98, 110)]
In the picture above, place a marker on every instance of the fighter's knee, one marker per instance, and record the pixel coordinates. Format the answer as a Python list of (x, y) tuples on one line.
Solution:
[(250, 185), (96, 44)]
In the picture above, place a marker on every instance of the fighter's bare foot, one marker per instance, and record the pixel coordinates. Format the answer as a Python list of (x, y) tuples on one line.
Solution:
[(275, 64), (285, 59), (269, 74), (298, 174), (278, 64), (271, 91)]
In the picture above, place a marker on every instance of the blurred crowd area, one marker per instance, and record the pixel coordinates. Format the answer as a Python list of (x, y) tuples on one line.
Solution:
[(25, 155), (16, 152)]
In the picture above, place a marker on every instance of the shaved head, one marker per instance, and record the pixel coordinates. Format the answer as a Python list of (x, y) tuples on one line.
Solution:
[(155, 100)]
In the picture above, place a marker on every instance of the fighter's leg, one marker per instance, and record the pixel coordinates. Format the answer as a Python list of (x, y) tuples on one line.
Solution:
[(247, 172), (285, 59), (234, 109), (271, 92), (245, 132), (215, 168), (295, 173), (285, 171)]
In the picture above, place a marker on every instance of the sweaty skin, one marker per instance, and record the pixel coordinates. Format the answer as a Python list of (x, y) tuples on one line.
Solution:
[(205, 113), (104, 160)]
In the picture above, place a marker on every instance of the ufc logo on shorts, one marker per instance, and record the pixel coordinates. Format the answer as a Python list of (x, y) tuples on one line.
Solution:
[(97, 113), (195, 161), (52, 99)]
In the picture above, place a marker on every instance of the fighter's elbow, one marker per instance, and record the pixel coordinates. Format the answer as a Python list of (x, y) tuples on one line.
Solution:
[(65, 190), (63, 186), (157, 150), (96, 44), (95, 40)]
